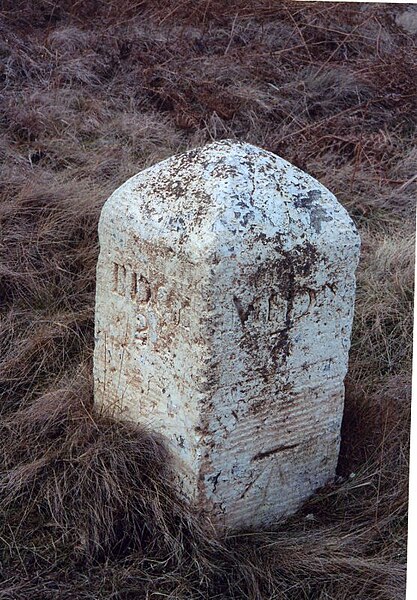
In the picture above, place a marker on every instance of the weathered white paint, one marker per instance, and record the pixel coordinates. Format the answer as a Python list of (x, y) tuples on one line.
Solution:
[(225, 293)]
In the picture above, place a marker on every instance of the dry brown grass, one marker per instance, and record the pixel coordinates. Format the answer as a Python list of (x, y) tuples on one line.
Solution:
[(91, 93)]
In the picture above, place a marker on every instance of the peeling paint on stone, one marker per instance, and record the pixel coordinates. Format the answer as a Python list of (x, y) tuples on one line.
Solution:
[(225, 295)]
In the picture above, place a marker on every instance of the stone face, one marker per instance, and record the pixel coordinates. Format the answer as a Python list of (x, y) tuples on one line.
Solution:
[(225, 294)]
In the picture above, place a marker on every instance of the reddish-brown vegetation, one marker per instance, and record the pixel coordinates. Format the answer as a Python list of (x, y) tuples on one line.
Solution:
[(92, 92)]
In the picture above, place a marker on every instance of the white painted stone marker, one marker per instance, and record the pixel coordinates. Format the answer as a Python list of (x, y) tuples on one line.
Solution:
[(225, 295)]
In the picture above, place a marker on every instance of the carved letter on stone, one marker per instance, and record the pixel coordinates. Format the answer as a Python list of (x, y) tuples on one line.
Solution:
[(225, 295)]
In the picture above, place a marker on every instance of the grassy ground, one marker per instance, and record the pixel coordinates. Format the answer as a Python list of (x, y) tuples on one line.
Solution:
[(94, 91)]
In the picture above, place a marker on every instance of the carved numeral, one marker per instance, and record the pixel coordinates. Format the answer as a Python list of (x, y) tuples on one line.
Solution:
[(141, 333)]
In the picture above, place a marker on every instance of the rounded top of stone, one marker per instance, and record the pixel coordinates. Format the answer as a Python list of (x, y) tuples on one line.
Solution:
[(223, 196)]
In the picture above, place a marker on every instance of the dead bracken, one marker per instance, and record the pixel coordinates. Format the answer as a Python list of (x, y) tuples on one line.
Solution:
[(93, 92)]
